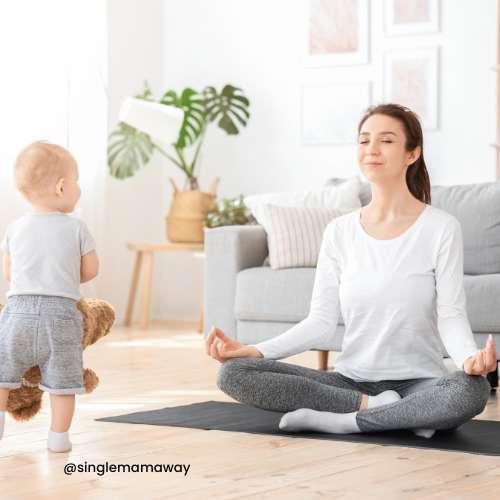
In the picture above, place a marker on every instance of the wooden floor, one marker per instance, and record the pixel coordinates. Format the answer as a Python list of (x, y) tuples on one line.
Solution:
[(167, 366)]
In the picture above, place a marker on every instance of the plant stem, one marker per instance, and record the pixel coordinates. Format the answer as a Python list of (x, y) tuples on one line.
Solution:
[(183, 160), (172, 159), (191, 178), (200, 140), (164, 153)]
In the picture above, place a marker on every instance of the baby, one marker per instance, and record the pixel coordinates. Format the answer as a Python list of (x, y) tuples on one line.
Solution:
[(47, 254)]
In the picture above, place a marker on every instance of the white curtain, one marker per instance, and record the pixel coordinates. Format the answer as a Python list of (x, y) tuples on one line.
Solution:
[(53, 86)]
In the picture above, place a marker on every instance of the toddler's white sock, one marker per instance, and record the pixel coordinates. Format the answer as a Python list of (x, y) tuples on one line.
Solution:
[(58, 442), (320, 421), (2, 423)]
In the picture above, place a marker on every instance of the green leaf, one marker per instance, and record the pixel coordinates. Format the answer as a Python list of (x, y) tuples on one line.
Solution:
[(128, 151), (192, 103), (231, 105), (146, 94)]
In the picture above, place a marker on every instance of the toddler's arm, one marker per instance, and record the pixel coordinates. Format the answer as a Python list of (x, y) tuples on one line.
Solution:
[(89, 266), (6, 266)]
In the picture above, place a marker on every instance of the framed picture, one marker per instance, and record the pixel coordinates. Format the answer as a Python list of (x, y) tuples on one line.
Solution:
[(331, 112), (411, 79), (410, 17), (338, 33)]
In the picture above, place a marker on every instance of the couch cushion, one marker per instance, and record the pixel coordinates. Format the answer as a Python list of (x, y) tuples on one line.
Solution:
[(365, 190), (482, 294), (344, 196), (294, 234), (284, 295), (477, 207), (274, 295)]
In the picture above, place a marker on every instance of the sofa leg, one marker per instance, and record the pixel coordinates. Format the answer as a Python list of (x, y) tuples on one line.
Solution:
[(493, 378), (323, 360)]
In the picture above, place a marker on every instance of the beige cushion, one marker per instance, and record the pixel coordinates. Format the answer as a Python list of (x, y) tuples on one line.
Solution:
[(294, 234)]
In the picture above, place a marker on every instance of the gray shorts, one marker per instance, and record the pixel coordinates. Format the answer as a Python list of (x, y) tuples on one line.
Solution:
[(46, 331)]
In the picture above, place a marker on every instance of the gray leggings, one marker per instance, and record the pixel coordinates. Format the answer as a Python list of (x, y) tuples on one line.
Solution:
[(427, 403)]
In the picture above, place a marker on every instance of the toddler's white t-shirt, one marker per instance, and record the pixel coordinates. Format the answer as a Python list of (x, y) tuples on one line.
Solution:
[(398, 297), (45, 251)]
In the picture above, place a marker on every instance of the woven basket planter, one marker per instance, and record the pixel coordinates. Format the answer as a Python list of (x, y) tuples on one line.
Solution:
[(186, 218)]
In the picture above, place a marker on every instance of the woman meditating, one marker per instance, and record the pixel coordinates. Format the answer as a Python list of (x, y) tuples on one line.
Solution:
[(395, 269)]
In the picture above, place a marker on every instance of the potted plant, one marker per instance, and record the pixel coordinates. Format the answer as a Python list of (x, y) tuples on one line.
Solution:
[(130, 149), (228, 212)]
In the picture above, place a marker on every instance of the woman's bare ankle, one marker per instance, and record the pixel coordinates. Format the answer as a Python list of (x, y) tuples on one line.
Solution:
[(364, 402)]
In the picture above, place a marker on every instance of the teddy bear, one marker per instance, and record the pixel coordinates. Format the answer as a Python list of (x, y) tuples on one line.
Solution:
[(98, 318)]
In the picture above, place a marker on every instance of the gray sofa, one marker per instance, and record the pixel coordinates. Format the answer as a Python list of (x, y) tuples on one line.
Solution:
[(251, 302)]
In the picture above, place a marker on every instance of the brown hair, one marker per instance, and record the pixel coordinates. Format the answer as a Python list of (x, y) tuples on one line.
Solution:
[(39, 166), (417, 177)]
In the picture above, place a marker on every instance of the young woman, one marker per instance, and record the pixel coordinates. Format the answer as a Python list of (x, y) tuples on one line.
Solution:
[(395, 268)]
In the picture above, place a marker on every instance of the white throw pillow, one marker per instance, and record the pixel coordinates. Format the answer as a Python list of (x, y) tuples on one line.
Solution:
[(344, 197), (294, 234)]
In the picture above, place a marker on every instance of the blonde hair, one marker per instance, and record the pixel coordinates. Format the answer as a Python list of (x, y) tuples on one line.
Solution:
[(39, 166)]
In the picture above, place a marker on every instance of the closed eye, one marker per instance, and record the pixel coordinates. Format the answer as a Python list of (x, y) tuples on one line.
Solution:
[(366, 142)]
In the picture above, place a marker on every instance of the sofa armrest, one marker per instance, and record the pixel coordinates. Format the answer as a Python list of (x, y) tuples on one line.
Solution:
[(228, 250)]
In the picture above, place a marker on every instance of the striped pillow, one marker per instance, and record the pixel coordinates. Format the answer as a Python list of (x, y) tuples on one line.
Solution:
[(294, 234)]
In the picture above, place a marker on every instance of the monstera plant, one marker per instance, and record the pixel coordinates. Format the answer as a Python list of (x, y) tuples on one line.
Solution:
[(129, 149)]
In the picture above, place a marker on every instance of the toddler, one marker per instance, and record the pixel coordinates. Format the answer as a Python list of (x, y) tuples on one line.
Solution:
[(46, 255)]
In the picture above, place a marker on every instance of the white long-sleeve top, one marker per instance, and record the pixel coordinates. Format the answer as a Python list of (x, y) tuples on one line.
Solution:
[(397, 297)]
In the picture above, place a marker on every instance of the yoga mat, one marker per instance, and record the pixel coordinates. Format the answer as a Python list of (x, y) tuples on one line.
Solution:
[(476, 436)]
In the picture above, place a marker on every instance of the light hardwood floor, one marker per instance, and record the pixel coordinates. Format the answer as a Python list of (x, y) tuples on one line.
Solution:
[(167, 366)]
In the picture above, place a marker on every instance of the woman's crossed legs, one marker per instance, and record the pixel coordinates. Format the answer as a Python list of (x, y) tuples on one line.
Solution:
[(330, 402)]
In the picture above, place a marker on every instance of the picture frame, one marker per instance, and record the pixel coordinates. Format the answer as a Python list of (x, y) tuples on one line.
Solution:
[(411, 78), (338, 33), (330, 112), (411, 17)]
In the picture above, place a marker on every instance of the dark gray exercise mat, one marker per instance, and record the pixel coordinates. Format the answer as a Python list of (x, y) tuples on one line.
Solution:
[(476, 436)]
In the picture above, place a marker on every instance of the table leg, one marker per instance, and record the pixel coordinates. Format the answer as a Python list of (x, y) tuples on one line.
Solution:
[(146, 290), (133, 288), (201, 323), (323, 360)]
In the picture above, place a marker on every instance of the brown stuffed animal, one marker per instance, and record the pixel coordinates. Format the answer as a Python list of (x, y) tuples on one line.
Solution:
[(98, 318)]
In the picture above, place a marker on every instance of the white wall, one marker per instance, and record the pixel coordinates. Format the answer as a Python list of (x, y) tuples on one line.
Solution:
[(257, 45), (133, 207)]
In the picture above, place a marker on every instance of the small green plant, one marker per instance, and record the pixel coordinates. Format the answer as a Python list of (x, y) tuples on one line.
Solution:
[(228, 212)]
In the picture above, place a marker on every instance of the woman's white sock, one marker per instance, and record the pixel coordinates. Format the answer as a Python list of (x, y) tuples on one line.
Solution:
[(2, 423), (384, 398), (306, 419), (321, 421), (58, 441), (333, 423), (426, 433)]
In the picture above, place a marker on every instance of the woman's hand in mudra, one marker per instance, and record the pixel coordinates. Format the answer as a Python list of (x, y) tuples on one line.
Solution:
[(221, 347), (484, 362)]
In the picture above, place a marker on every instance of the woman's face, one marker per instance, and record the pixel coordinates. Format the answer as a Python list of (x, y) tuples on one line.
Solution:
[(381, 149)]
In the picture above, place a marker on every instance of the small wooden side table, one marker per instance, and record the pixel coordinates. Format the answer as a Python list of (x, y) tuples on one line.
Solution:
[(145, 252)]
